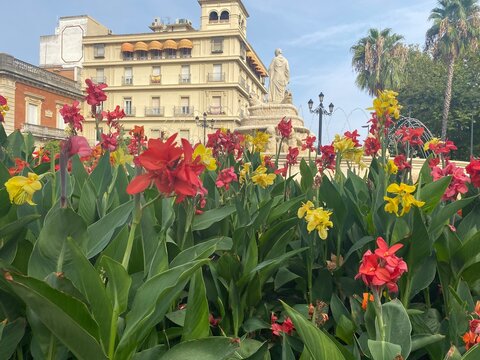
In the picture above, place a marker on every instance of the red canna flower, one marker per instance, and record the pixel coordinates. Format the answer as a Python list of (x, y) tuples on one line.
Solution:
[(473, 169), (71, 115), (372, 146), (113, 116), (292, 155), (383, 267), (308, 143), (285, 128), (170, 168), (226, 142), (458, 184), (213, 320), (353, 136), (401, 162), (19, 166), (282, 171), (411, 135), (286, 327), (327, 158), (110, 142), (95, 93), (225, 177)]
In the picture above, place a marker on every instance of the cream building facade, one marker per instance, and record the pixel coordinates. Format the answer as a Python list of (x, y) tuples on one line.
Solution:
[(177, 78)]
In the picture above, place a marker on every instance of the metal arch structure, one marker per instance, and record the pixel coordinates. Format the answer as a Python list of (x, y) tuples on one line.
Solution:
[(412, 123)]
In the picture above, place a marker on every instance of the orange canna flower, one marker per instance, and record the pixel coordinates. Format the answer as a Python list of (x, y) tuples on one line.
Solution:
[(366, 298)]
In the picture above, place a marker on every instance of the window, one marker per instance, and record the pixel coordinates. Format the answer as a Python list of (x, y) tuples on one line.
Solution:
[(185, 74), (32, 114), (156, 103), (171, 54), (156, 70), (99, 50), (213, 17), (224, 16), (217, 74), (156, 54), (100, 77), (60, 121), (243, 51), (142, 55), (156, 77), (216, 107), (185, 105), (127, 56), (128, 76), (127, 106), (185, 53), (217, 45)]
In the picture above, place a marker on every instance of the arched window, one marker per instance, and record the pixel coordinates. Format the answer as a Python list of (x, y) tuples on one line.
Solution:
[(213, 17), (224, 16)]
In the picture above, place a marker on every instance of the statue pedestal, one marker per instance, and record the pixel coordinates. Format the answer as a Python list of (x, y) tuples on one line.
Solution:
[(266, 116)]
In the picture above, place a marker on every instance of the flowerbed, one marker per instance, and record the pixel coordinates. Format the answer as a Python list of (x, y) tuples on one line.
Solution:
[(158, 248)]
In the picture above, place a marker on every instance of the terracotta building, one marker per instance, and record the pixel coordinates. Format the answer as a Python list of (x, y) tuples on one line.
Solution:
[(35, 97)]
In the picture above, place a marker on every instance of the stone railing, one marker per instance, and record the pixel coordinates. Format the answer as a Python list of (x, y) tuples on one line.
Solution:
[(44, 132), (9, 64)]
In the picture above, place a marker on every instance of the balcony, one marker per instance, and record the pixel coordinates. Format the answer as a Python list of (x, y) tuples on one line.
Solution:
[(99, 79), (183, 111), (216, 110), (44, 132), (216, 77), (184, 79), (127, 80), (155, 79), (129, 111), (154, 111)]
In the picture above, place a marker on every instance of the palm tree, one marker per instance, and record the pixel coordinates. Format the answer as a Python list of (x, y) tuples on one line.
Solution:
[(378, 60), (455, 31)]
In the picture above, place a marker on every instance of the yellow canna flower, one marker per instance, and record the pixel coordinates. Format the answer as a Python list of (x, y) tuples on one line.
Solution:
[(244, 172), (261, 178), (119, 157), (433, 141), (343, 143), (404, 197), (260, 141), (354, 155), (304, 209), (391, 167), (319, 219), (392, 204), (21, 189), (206, 156), (386, 103)]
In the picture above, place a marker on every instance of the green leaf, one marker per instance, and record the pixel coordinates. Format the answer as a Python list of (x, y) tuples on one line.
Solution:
[(284, 276), (118, 283), (10, 336), (101, 232), (152, 300), (441, 217), (151, 354), (383, 350), (468, 254), (211, 348), (420, 341), (357, 245), (345, 328), (101, 176), (88, 203), (17, 225), (87, 280), (307, 176), (284, 207), (210, 217), (50, 253), (196, 252), (319, 345), (432, 193), (196, 325), (63, 315), (397, 326), (472, 354)]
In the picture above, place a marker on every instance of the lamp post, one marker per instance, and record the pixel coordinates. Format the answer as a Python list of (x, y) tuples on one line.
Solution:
[(204, 124), (320, 110)]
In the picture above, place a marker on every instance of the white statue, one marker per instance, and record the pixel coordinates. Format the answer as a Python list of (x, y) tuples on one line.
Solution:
[(279, 73)]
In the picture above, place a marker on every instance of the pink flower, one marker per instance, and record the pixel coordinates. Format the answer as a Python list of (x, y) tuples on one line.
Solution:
[(95, 93), (458, 184), (109, 142), (71, 115), (285, 128), (225, 177), (78, 145), (3, 101)]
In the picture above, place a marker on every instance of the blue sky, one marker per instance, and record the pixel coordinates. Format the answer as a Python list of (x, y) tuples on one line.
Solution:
[(315, 36)]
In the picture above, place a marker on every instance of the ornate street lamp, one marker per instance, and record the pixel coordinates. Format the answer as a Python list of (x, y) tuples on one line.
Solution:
[(320, 110), (204, 124)]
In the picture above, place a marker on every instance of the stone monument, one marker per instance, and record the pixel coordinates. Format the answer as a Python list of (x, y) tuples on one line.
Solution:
[(265, 116)]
